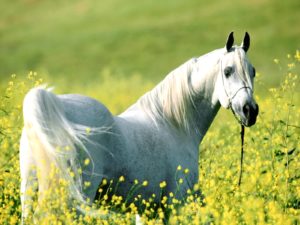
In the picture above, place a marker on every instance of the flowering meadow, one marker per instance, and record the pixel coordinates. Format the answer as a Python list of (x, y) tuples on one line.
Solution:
[(269, 192)]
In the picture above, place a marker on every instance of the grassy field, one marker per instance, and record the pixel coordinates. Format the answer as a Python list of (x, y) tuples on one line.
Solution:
[(117, 50), (269, 193), (80, 39)]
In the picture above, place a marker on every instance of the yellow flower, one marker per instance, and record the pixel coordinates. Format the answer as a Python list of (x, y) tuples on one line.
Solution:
[(72, 174), (179, 167), (161, 215), (121, 179), (291, 65), (163, 184), (88, 130), (180, 181), (145, 183), (87, 161), (196, 187), (297, 55), (174, 201), (104, 182), (13, 220), (186, 171), (87, 183), (164, 199)]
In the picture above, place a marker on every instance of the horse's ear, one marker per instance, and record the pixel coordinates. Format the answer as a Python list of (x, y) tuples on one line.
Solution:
[(229, 42), (246, 43)]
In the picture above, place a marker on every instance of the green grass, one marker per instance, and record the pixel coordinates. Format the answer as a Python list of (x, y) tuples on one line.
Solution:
[(79, 39)]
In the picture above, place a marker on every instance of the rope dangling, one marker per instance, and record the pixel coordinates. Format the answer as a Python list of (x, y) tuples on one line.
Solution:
[(242, 154)]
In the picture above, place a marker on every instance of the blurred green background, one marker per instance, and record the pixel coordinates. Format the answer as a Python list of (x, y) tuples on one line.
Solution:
[(77, 40)]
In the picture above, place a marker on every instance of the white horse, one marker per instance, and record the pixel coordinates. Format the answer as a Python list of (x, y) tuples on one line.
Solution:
[(147, 142)]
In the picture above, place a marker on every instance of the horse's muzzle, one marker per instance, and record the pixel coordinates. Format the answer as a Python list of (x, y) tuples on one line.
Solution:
[(250, 113)]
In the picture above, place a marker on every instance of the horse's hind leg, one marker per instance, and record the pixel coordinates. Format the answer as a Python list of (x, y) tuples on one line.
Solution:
[(28, 177)]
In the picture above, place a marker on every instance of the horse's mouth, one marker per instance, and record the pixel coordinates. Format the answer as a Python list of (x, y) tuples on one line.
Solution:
[(249, 122), (249, 115)]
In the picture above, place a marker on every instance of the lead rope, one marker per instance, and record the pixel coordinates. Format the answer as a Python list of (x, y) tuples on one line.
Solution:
[(242, 153), (239, 120)]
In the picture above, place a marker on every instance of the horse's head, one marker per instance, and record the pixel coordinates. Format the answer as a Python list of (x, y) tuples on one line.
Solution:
[(235, 82)]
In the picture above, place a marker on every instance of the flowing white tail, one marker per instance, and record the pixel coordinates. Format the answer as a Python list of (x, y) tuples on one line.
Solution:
[(52, 140)]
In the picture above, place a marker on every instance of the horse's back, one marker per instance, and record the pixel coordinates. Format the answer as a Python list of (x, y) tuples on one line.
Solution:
[(85, 111)]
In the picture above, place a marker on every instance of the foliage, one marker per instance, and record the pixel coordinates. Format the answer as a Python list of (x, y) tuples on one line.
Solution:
[(270, 190)]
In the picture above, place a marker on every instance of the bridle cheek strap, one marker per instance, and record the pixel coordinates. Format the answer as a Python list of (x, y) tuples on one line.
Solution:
[(233, 96)]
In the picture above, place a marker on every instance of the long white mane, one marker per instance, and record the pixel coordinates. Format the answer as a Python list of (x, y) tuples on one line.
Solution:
[(171, 100)]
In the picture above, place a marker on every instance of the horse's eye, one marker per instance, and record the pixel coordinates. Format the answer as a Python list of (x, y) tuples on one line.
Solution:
[(254, 72), (228, 71)]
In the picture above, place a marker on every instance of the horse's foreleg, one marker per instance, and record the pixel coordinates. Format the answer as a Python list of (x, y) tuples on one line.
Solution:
[(28, 177)]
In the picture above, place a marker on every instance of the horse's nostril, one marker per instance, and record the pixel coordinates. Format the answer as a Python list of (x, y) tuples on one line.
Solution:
[(246, 110)]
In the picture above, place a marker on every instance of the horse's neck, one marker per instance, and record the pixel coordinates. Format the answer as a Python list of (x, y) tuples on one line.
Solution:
[(152, 106), (205, 115), (206, 101)]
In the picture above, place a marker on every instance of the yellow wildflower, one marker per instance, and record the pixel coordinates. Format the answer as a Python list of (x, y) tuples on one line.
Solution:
[(88, 130), (104, 182), (163, 184), (121, 179), (87, 161)]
